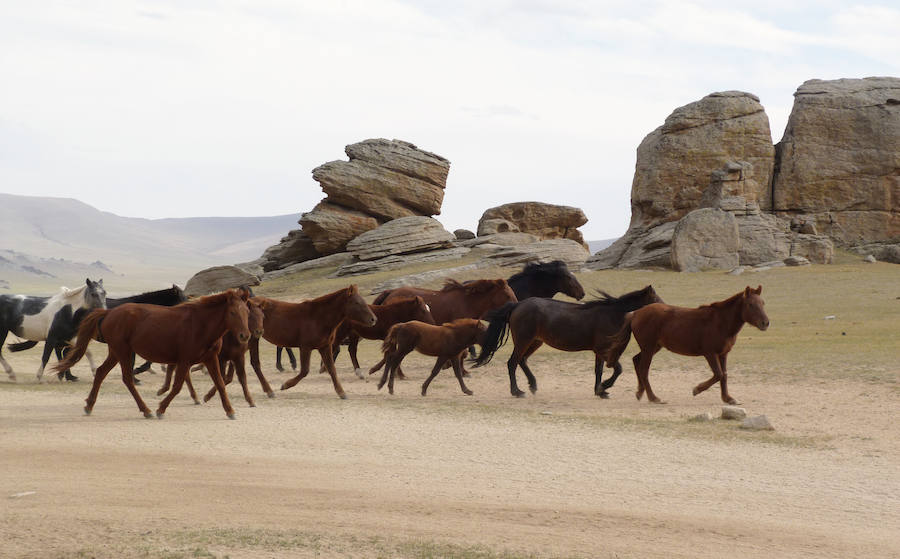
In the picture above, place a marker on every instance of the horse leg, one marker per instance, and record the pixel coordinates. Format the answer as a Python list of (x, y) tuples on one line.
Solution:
[(45, 356), (511, 366), (190, 385), (377, 366), (291, 358), (617, 370), (718, 376), (398, 358), (304, 369), (723, 359), (598, 377), (212, 365), (104, 369), (351, 349), (238, 366), (6, 366), (278, 366), (457, 368), (168, 382), (438, 365), (253, 346), (523, 362), (389, 361), (642, 369), (329, 364), (461, 357), (181, 370), (127, 367)]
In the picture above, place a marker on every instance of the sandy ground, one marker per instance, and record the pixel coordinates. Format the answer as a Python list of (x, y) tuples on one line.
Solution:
[(558, 474)]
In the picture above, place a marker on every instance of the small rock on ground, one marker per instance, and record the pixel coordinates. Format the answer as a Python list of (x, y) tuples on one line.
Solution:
[(733, 412), (758, 423)]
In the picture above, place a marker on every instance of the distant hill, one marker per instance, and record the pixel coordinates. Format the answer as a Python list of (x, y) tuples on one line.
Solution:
[(55, 241), (596, 246)]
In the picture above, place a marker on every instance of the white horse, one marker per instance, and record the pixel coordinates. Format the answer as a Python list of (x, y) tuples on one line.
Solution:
[(30, 318)]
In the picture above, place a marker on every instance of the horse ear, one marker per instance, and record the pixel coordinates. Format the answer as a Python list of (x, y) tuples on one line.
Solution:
[(245, 293), (100, 282), (759, 290), (747, 291), (87, 281)]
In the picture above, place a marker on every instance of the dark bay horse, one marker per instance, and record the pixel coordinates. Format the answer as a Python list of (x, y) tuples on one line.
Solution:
[(447, 342), (545, 279), (389, 314), (53, 320), (310, 325), (563, 325), (709, 330), (185, 334), (231, 358), (65, 325)]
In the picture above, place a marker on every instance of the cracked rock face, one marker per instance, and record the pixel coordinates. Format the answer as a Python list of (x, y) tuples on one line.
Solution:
[(839, 159), (675, 161), (547, 221)]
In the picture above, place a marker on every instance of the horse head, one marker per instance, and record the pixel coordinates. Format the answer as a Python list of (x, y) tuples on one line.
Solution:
[(569, 284), (178, 293), (238, 314), (255, 318), (94, 295), (753, 308), (651, 295), (422, 312), (357, 309)]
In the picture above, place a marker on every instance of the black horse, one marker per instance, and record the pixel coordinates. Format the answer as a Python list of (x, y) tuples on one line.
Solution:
[(563, 325), (537, 279), (65, 325)]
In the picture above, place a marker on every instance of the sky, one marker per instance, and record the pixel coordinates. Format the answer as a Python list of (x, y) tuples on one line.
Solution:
[(223, 108)]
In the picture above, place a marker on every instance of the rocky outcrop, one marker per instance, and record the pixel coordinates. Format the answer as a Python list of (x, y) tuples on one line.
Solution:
[(547, 221), (406, 235), (839, 159), (567, 250), (218, 278), (705, 239), (396, 261), (382, 181)]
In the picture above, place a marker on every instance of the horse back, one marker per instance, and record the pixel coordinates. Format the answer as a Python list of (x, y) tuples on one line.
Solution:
[(686, 331)]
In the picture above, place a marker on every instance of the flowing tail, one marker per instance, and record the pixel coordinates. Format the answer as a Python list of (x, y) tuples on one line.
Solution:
[(619, 341), (390, 340), (89, 328), (497, 333), (21, 346)]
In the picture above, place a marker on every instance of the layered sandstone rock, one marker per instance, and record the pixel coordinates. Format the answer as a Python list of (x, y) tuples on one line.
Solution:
[(217, 279), (706, 239), (546, 221), (839, 159), (406, 235)]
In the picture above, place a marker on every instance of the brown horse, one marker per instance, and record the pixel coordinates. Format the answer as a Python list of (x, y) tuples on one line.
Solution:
[(232, 355), (565, 326), (710, 330), (472, 299), (185, 334), (397, 311), (310, 325), (447, 342)]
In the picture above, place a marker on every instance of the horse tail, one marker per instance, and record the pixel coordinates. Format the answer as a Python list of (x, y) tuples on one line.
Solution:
[(381, 297), (497, 333), (22, 346), (619, 341), (89, 328), (390, 340)]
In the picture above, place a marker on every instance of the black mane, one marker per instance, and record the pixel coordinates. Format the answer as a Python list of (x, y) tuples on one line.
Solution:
[(167, 297), (555, 268), (628, 302)]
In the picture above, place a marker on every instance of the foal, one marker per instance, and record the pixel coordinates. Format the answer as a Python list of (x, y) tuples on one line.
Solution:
[(447, 342), (709, 330)]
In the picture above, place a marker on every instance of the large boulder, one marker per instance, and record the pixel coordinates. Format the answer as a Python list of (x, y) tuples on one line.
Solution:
[(406, 235), (382, 181), (571, 252), (706, 239), (547, 221), (218, 278), (839, 157)]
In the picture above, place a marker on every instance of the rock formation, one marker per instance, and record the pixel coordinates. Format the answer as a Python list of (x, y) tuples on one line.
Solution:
[(382, 181), (547, 221), (218, 278), (707, 238), (406, 235), (839, 159)]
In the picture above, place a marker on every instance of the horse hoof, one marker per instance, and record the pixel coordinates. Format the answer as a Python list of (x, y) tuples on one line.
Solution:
[(604, 395), (196, 402), (87, 410), (280, 369), (270, 394), (518, 394), (468, 392), (159, 415), (231, 416), (658, 401), (283, 387), (161, 391), (533, 389), (639, 395), (342, 396), (148, 415), (360, 373), (252, 405), (137, 381)]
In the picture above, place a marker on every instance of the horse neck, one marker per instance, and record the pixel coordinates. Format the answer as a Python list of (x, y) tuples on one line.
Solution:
[(329, 309), (75, 297), (526, 287), (209, 318), (730, 316)]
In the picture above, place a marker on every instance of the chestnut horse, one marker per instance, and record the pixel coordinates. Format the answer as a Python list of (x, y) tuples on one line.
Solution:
[(447, 342), (472, 299), (310, 325), (184, 334), (395, 312), (565, 326), (232, 355), (709, 330)]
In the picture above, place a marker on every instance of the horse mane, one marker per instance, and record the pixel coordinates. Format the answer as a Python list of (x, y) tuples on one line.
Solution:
[(555, 268), (206, 300), (349, 290), (66, 293), (621, 302), (724, 303), (471, 287)]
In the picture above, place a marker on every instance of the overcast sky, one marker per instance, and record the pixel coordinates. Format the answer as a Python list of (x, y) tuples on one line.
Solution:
[(202, 108)]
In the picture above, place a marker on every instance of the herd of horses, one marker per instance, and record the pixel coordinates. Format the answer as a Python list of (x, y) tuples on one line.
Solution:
[(217, 331)]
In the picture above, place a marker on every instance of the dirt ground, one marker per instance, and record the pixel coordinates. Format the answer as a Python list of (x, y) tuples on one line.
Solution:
[(557, 474)]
